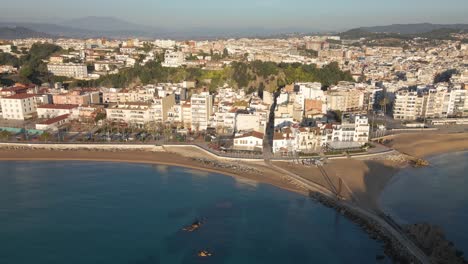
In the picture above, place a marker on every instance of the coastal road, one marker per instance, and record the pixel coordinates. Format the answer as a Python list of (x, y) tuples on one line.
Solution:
[(389, 226)]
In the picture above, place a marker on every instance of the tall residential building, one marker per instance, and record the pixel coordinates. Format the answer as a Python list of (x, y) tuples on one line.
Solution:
[(345, 99), (408, 104), (430, 102), (161, 107), (202, 107)]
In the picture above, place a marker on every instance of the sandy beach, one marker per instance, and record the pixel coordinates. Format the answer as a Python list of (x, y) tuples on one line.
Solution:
[(422, 145), (363, 179)]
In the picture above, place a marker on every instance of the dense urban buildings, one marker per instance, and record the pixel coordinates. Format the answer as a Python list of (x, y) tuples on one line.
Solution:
[(206, 88)]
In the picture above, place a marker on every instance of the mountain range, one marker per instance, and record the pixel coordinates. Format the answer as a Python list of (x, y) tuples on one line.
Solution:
[(409, 29), (10, 33), (110, 27)]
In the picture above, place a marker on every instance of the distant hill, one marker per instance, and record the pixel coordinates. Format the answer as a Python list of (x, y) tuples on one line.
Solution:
[(406, 31), (107, 24), (21, 32), (410, 29), (110, 27)]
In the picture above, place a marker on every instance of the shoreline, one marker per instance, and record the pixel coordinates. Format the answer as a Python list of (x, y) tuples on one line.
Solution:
[(377, 229), (366, 181), (148, 158)]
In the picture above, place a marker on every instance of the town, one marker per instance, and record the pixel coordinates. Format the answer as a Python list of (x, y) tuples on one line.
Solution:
[(322, 94)]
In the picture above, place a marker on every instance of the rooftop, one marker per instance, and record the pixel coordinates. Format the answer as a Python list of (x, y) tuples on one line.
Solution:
[(20, 96), (54, 120), (58, 106)]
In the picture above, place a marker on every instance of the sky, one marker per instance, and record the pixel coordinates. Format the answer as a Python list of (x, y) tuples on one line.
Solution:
[(280, 14)]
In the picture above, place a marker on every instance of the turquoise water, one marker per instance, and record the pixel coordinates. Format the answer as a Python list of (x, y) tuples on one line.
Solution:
[(81, 212), (437, 194)]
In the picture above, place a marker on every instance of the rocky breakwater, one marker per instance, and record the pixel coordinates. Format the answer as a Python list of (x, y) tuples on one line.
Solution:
[(392, 246), (235, 167), (76, 147), (432, 241)]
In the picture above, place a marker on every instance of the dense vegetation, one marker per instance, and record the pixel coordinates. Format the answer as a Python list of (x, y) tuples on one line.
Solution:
[(8, 59), (248, 76), (33, 68), (253, 76)]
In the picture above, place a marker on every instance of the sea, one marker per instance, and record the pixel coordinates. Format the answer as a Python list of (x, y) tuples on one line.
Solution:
[(86, 212), (437, 194)]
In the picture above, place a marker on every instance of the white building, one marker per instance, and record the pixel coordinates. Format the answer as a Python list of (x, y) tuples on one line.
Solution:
[(173, 59), (255, 121), (284, 141), (19, 106), (352, 133), (130, 113), (310, 90), (53, 123), (54, 110), (72, 70), (252, 141), (5, 48), (308, 139), (202, 108)]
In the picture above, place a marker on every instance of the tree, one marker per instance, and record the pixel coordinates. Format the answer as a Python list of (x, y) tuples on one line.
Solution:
[(5, 135), (45, 136), (225, 53), (99, 117)]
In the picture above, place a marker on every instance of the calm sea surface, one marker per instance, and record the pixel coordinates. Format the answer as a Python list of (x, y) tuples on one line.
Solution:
[(437, 194), (81, 212)]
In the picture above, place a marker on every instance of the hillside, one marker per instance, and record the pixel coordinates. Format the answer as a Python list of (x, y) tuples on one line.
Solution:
[(430, 31), (411, 29), (21, 32)]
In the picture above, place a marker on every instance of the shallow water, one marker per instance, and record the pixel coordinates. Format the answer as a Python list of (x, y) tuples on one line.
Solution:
[(82, 212), (437, 194)]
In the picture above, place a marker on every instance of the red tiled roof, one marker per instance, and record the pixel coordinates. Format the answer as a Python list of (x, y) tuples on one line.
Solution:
[(54, 120), (280, 136), (58, 106)]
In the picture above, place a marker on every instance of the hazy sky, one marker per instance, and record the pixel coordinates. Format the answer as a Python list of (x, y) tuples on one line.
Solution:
[(312, 14)]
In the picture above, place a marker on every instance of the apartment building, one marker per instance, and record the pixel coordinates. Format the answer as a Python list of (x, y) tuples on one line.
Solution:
[(19, 106), (348, 99), (77, 97), (202, 109), (161, 107), (430, 102), (130, 113), (72, 70), (408, 104)]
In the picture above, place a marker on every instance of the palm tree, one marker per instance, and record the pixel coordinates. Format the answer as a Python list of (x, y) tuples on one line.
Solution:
[(383, 106)]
